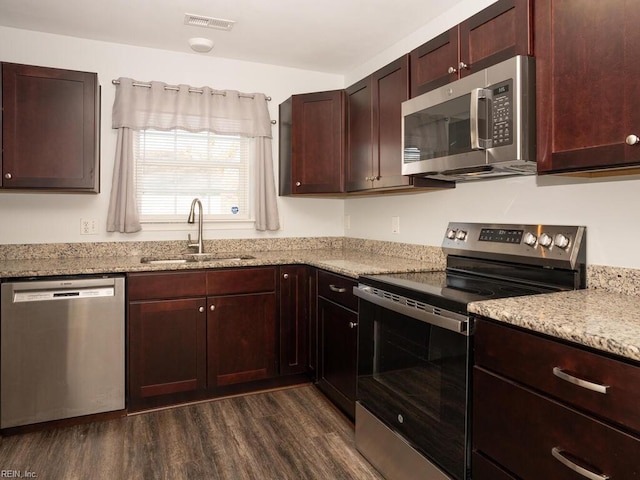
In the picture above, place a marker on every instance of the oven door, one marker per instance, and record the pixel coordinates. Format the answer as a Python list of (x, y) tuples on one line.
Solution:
[(414, 376)]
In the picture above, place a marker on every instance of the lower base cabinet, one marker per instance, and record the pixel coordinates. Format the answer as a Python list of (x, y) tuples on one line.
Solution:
[(205, 333), (532, 420), (337, 340)]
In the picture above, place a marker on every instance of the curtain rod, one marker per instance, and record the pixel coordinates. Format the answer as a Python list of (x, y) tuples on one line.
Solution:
[(191, 90)]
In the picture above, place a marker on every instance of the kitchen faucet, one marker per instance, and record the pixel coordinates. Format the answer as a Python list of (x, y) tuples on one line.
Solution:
[(200, 242)]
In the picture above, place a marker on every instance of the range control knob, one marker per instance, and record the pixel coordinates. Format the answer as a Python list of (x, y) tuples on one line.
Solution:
[(451, 233), (530, 239), (461, 235), (545, 240), (561, 241)]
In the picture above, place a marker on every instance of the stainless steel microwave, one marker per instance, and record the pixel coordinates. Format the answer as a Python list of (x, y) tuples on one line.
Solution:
[(480, 126)]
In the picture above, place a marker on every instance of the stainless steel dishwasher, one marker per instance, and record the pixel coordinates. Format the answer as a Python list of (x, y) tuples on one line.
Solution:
[(62, 348)]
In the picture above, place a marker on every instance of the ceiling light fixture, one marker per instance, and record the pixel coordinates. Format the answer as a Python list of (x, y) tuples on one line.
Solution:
[(208, 22), (200, 45)]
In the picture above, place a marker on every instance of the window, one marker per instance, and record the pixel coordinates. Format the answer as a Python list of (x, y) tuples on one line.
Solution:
[(174, 167)]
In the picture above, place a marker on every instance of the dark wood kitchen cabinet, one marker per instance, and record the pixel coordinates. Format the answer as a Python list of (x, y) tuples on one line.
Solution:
[(166, 338), (543, 407), (588, 94), (493, 35), (50, 129), (241, 326), (312, 143), (294, 319), (338, 338), (374, 128)]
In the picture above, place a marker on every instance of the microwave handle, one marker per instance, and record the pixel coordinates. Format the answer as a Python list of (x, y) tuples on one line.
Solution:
[(477, 142)]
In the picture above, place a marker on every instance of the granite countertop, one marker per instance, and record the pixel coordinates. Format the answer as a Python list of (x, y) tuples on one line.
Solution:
[(596, 318), (351, 263)]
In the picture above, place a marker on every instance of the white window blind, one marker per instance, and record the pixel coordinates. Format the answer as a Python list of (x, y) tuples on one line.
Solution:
[(174, 167)]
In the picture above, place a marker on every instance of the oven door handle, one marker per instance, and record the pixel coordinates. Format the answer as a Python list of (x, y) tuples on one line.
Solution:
[(455, 322)]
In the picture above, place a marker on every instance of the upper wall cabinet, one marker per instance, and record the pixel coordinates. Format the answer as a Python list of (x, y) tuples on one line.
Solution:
[(588, 94), (497, 33), (50, 138), (312, 143), (374, 128)]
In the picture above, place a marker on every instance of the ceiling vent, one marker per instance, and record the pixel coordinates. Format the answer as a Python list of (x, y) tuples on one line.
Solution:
[(208, 22)]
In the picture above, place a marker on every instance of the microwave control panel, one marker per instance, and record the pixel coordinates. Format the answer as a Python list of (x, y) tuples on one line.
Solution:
[(502, 114)]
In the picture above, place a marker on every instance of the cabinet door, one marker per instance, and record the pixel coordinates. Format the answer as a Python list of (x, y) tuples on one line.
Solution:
[(50, 129), (294, 319), (495, 34), (241, 338), (390, 87), (587, 66), (435, 63), (167, 348), (318, 142), (338, 346), (360, 164)]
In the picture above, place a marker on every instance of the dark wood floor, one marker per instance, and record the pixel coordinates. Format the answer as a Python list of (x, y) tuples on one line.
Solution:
[(285, 434)]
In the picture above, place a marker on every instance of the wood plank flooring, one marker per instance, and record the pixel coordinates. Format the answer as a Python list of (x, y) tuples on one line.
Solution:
[(292, 433)]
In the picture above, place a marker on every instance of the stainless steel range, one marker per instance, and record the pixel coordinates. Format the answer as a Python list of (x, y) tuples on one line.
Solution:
[(415, 340)]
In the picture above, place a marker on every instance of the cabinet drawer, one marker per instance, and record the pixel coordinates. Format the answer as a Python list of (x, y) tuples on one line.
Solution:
[(165, 285), (532, 360), (241, 281), (520, 429), (338, 289)]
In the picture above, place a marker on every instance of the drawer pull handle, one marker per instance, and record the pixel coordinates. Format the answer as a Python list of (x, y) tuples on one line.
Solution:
[(557, 371), (333, 288), (557, 454)]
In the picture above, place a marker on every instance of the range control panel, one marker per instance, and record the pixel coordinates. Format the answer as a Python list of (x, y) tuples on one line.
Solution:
[(540, 244)]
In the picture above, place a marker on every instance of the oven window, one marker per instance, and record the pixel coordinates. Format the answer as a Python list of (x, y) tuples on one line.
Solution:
[(413, 376)]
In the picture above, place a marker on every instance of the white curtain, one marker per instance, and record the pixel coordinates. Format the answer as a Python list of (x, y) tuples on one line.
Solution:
[(163, 107)]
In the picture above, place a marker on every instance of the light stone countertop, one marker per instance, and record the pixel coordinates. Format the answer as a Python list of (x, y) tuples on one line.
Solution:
[(596, 318), (347, 262)]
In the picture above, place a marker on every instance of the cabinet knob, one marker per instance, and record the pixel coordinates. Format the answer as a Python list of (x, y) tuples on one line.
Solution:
[(462, 66), (452, 70), (630, 140), (201, 309), (7, 176), (298, 184), (285, 276), (353, 324), (212, 308)]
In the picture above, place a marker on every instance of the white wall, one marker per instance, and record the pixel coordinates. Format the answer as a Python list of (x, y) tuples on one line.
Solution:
[(44, 218)]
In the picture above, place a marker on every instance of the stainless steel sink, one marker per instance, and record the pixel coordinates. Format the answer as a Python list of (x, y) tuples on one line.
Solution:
[(195, 257)]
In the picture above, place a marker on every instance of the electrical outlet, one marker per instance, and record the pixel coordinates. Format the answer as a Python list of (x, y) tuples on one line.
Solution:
[(347, 222), (88, 226), (395, 225)]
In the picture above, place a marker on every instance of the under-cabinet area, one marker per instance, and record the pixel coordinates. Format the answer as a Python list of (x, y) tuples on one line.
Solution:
[(543, 408)]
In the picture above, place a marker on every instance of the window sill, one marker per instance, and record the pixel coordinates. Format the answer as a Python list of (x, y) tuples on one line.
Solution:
[(207, 226)]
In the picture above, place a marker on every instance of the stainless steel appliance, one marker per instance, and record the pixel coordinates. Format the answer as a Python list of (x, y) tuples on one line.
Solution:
[(62, 348), (482, 125), (415, 340)]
